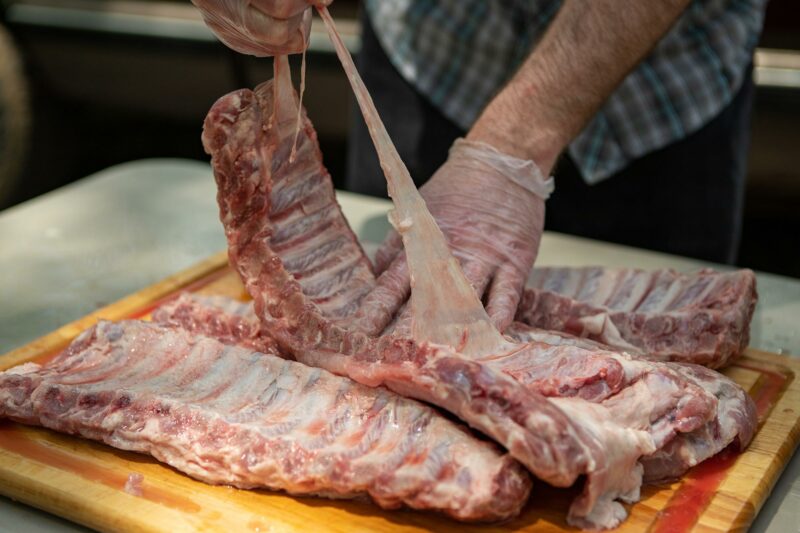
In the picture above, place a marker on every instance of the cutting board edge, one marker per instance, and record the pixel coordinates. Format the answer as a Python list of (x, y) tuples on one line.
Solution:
[(130, 304), (67, 504), (785, 410), (742, 518), (62, 336)]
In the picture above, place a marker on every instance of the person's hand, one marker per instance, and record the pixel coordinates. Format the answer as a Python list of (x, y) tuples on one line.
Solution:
[(490, 207), (260, 27)]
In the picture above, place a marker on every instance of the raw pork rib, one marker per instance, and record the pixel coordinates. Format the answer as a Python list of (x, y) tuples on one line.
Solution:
[(581, 426), (554, 369), (225, 319), (735, 422), (735, 419), (225, 414), (701, 318)]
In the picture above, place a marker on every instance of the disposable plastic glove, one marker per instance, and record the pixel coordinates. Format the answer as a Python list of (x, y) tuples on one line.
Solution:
[(490, 207), (260, 27)]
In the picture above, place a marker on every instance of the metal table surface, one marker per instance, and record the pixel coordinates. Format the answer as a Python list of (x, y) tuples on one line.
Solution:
[(68, 252)]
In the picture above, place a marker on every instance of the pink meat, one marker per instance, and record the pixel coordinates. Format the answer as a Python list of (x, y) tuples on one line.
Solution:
[(566, 366), (701, 318), (229, 415), (225, 319)]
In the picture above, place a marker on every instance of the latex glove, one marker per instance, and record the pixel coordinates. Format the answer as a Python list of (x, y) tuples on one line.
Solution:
[(490, 207), (260, 27)]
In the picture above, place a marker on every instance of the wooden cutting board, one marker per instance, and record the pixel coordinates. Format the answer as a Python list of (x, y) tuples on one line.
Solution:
[(85, 481)]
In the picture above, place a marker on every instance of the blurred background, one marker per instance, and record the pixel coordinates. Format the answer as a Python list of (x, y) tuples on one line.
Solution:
[(87, 84)]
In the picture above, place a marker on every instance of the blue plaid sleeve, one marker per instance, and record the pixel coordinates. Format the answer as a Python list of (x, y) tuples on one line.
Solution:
[(459, 53)]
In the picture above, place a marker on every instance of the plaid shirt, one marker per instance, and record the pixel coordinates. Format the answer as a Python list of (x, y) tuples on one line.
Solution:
[(458, 53)]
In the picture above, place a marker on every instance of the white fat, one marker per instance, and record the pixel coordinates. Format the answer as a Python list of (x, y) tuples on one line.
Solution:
[(133, 485), (601, 327), (404, 225), (25, 368)]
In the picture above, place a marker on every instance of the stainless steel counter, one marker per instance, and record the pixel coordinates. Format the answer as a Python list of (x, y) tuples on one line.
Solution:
[(78, 248)]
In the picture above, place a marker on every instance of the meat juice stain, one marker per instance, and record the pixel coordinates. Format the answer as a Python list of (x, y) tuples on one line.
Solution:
[(697, 489), (700, 484), (16, 440)]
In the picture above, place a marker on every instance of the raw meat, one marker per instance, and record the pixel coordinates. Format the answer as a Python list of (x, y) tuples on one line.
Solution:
[(225, 319), (586, 428), (250, 143), (734, 422), (556, 370), (230, 415), (308, 228), (701, 318)]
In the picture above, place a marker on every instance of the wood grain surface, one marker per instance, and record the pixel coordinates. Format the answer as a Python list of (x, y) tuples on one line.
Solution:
[(85, 481)]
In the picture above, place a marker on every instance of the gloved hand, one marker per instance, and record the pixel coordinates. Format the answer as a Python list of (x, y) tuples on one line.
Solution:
[(260, 27), (490, 207)]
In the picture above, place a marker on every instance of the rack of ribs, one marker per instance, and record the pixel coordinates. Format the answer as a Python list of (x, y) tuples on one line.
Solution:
[(702, 317), (226, 414)]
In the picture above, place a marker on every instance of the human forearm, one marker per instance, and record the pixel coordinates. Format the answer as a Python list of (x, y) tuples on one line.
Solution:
[(587, 51)]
